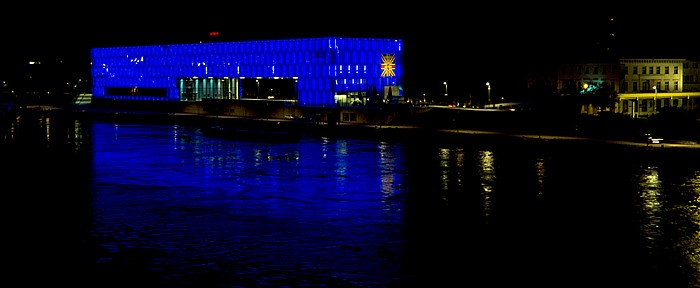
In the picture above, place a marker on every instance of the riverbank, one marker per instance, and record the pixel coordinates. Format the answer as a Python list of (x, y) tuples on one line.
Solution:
[(416, 131)]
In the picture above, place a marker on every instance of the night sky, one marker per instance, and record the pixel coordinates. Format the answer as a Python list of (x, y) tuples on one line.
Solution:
[(461, 44)]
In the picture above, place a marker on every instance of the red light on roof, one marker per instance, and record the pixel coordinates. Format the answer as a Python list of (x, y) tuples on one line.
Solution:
[(213, 33)]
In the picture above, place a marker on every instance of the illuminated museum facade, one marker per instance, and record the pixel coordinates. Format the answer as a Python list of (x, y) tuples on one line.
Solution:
[(329, 71)]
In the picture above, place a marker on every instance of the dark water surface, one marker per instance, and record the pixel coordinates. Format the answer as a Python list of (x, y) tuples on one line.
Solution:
[(106, 204)]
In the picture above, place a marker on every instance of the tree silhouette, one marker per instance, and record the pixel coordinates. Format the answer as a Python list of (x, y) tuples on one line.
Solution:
[(600, 96)]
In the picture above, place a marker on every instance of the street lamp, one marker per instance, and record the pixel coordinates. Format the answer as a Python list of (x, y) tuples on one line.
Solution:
[(257, 83), (656, 90), (587, 101), (445, 88), (488, 87)]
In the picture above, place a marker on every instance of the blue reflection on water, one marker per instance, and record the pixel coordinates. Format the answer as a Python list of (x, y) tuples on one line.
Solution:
[(164, 206), (315, 206)]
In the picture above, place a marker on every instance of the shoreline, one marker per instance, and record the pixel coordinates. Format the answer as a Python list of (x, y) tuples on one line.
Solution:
[(339, 129)]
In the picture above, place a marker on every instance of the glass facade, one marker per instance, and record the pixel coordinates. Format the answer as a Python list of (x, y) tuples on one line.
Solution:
[(310, 71)]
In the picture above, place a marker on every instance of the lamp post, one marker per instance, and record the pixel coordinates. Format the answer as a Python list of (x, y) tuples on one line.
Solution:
[(488, 88), (445, 83), (257, 83), (586, 101), (656, 90)]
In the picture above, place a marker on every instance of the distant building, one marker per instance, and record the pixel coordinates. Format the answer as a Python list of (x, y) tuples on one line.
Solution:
[(650, 85), (691, 75), (650, 75), (323, 72), (573, 77), (642, 86)]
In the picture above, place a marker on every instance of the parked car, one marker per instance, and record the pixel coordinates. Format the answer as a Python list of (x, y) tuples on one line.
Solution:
[(651, 139)]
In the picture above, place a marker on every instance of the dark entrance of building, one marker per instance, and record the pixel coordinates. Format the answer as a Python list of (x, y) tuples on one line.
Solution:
[(283, 89)]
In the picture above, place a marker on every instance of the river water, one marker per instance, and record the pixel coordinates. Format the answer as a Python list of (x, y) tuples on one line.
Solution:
[(109, 204)]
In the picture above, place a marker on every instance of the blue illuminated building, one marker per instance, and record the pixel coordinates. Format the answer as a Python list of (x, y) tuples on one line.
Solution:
[(330, 71)]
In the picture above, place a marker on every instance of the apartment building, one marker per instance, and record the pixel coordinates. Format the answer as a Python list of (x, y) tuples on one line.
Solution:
[(650, 85), (643, 86)]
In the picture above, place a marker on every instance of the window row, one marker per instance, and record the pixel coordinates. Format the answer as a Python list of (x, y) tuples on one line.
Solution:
[(287, 58), (257, 47), (648, 86), (651, 70)]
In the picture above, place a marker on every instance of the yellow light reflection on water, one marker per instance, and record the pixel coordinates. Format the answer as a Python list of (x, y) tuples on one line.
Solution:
[(540, 170), (451, 162), (488, 178), (662, 213), (650, 186), (46, 121), (77, 136), (444, 158), (693, 245)]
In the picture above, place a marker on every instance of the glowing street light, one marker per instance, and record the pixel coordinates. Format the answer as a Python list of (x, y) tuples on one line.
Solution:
[(257, 94), (445, 88), (488, 87), (588, 103), (656, 90)]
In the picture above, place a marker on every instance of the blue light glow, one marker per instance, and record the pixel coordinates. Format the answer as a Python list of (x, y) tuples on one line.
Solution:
[(324, 67)]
